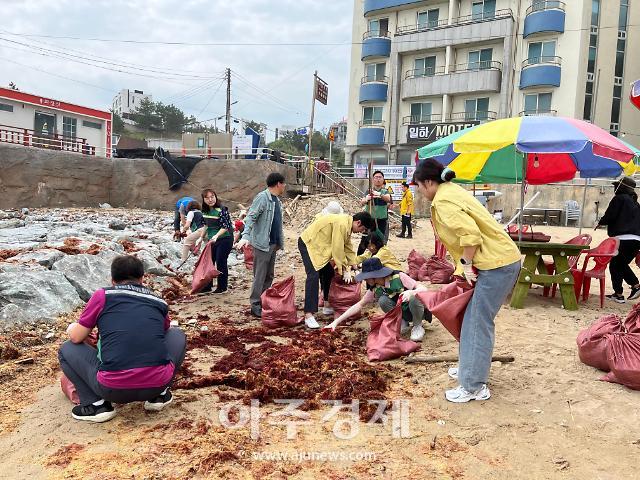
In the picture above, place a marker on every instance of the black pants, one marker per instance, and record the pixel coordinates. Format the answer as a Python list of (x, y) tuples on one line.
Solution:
[(619, 266), (315, 279), (220, 254), (80, 364), (176, 220), (382, 232), (406, 225)]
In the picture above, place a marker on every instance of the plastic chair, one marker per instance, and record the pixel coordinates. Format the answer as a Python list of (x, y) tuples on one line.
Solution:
[(571, 211), (584, 239), (601, 255), (513, 228)]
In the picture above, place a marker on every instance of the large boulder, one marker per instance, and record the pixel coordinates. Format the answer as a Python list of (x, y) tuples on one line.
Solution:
[(45, 257), (151, 265), (87, 273), (22, 237), (29, 294)]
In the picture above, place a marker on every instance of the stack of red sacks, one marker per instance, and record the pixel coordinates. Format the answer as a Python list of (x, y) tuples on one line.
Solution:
[(433, 269), (613, 345)]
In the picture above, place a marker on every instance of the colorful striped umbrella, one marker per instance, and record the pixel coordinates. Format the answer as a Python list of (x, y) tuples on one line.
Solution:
[(555, 149), (634, 95)]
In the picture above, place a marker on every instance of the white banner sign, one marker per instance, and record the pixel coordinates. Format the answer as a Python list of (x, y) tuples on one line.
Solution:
[(242, 144)]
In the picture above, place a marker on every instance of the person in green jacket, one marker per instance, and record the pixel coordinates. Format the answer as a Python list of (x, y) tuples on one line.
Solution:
[(220, 233)]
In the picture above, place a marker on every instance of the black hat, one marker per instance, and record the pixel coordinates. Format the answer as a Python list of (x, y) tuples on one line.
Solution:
[(373, 268), (626, 181), (405, 184)]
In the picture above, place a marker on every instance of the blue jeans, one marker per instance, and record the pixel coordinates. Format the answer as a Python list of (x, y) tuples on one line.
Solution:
[(478, 328)]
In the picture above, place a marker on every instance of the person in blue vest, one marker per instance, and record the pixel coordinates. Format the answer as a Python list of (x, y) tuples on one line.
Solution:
[(137, 355), (179, 216)]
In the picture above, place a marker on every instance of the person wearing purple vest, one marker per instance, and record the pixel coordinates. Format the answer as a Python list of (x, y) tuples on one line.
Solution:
[(137, 354)]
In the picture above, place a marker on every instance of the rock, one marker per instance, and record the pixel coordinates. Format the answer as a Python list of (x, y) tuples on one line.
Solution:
[(45, 257), (117, 225), (171, 250), (22, 237), (28, 295), (25, 211), (87, 273), (151, 265), (12, 223), (105, 205)]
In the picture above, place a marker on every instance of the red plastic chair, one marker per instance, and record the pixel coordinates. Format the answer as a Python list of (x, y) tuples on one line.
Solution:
[(513, 228), (584, 239), (601, 255)]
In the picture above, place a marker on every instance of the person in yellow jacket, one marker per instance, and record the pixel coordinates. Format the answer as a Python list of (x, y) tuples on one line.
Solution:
[(406, 210), (378, 249), (489, 260), (328, 239)]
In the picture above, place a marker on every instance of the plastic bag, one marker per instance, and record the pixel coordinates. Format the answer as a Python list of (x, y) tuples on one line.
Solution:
[(384, 341), (439, 270), (449, 304), (415, 260), (623, 355), (343, 295), (592, 342), (279, 305), (248, 256), (204, 271)]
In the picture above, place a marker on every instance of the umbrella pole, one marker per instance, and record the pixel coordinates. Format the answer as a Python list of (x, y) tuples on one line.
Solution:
[(520, 220), (584, 199)]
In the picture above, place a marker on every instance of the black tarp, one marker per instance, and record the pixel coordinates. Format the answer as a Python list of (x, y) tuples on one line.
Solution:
[(177, 169)]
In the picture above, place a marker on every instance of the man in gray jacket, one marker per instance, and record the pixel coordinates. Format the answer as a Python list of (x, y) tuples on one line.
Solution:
[(263, 230)]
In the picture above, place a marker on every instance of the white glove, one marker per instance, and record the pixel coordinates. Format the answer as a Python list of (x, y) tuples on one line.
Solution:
[(469, 274), (347, 275), (242, 243), (407, 295), (377, 194), (368, 198)]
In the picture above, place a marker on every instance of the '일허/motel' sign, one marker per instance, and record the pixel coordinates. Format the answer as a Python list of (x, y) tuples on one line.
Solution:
[(430, 132)]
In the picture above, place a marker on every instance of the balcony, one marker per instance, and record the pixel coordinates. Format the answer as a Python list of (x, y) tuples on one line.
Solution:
[(452, 117), (543, 17), (538, 113), (29, 138), (371, 132), (461, 30), (373, 89), (375, 45), (541, 72), (464, 78), (374, 6)]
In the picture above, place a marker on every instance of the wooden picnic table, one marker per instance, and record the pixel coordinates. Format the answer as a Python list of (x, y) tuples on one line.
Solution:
[(534, 271)]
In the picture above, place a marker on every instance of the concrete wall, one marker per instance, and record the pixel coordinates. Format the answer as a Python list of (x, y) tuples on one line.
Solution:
[(31, 177)]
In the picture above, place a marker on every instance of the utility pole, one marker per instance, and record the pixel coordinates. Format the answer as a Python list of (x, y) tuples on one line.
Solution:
[(313, 110), (228, 115)]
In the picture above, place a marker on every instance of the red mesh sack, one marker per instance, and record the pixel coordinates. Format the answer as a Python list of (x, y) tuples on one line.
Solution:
[(632, 322), (449, 304), (623, 354), (415, 260), (247, 250), (204, 271), (592, 342), (279, 305), (69, 388), (384, 341), (439, 270), (343, 295)]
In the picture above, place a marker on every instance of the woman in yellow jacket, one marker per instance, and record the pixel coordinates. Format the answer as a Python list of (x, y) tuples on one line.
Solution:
[(406, 210), (489, 259), (328, 238)]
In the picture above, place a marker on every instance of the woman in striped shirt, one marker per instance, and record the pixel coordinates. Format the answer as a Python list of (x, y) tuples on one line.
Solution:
[(220, 232)]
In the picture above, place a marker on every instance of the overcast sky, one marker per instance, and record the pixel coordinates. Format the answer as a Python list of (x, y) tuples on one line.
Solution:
[(194, 71)]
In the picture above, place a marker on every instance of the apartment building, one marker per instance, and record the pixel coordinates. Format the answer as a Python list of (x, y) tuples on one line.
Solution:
[(421, 70), (127, 101)]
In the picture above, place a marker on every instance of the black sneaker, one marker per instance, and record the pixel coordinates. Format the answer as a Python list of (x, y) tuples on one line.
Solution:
[(635, 293), (218, 290), (91, 413), (400, 236), (409, 236), (616, 298), (159, 402)]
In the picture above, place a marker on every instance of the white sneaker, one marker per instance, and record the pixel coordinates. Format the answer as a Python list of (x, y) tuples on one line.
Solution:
[(453, 372), (460, 395), (311, 322), (327, 311), (417, 332)]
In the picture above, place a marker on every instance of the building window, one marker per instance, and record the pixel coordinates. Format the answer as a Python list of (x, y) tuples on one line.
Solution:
[(200, 142), (6, 107), (480, 59), (371, 115), (424, 67), (537, 103), (619, 67), (476, 109), (88, 124), (428, 19), (595, 13), (538, 5), (421, 112), (591, 60), (379, 27), (375, 72), (540, 52), (624, 13), (485, 9), (69, 127)]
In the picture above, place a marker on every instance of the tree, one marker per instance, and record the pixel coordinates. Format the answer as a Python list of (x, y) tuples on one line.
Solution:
[(255, 126), (118, 123), (173, 119), (146, 115)]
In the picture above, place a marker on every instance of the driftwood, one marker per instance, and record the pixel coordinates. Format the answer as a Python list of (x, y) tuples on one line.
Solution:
[(289, 210), (454, 358)]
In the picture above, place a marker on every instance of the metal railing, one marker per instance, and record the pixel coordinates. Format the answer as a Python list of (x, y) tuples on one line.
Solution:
[(410, 119), (374, 79), (538, 113), (29, 138), (542, 60), (467, 19), (541, 5), (478, 116), (371, 123), (375, 34), (424, 72), (459, 68)]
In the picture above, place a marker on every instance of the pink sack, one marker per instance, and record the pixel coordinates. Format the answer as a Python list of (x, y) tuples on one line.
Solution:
[(384, 341), (279, 305), (415, 260), (248, 256), (623, 354), (449, 304), (592, 342), (204, 271), (632, 322), (439, 270), (343, 295)]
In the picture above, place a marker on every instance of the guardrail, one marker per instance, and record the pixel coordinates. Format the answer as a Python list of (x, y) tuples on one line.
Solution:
[(477, 116), (461, 67), (542, 60), (467, 19), (29, 138), (371, 123), (374, 79), (375, 34), (541, 5), (538, 113)]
